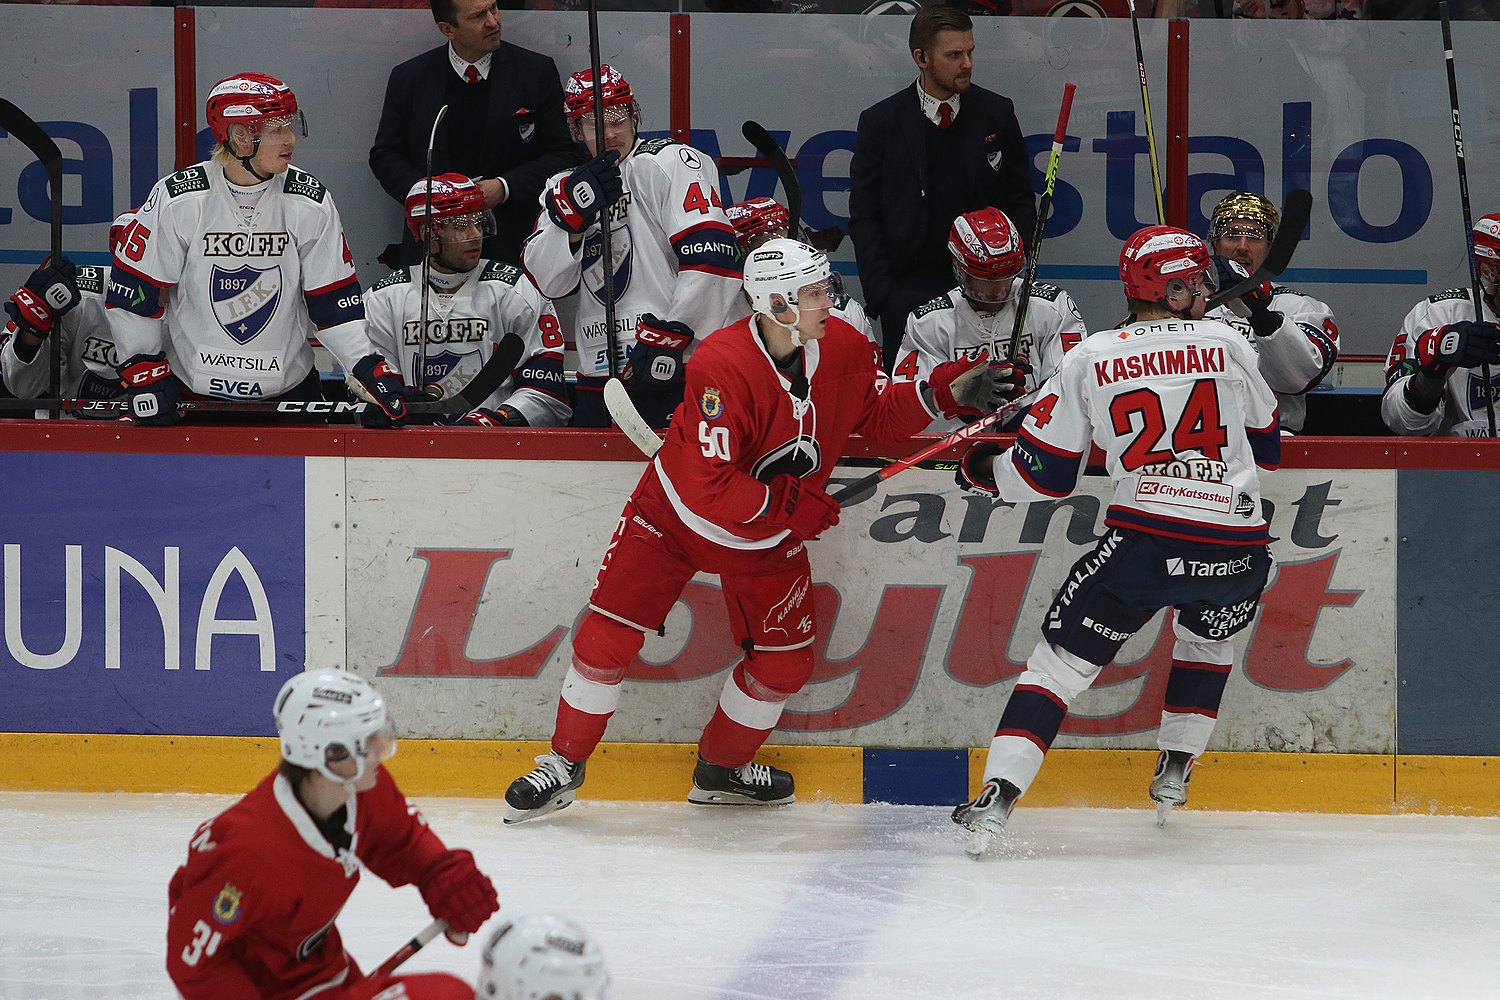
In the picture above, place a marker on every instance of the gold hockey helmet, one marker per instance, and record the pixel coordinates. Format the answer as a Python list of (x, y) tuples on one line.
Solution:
[(1244, 214)]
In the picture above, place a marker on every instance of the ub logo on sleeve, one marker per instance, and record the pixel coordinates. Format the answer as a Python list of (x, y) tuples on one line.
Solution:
[(244, 299)]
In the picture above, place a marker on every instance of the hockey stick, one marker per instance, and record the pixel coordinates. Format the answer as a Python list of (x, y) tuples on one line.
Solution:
[(1463, 194), (1294, 216), (629, 419), (21, 125), (490, 377), (611, 338), (1041, 219), (410, 948), (984, 423), (772, 151), (427, 229), (1140, 63)]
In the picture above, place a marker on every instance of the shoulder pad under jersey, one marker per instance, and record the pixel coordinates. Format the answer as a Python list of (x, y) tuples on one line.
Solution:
[(498, 270), (194, 178), (653, 146), (933, 305), (400, 276), (91, 279), (1042, 290), (1452, 293), (300, 182)]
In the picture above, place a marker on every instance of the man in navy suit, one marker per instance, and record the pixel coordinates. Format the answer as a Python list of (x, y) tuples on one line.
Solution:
[(922, 157), (504, 128)]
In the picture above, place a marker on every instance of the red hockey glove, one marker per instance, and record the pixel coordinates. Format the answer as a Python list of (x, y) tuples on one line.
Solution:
[(384, 385), (500, 416), (151, 389), (46, 296), (969, 389), (974, 474), (801, 508), (456, 891), (575, 201), (1465, 344)]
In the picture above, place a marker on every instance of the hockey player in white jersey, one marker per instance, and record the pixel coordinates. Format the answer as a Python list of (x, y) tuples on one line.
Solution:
[(472, 304), (1294, 335), (676, 264), (1184, 418), (87, 347), (254, 254), (979, 314), (1435, 384), (756, 220)]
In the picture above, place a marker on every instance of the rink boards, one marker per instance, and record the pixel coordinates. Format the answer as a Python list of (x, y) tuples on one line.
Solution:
[(159, 586)]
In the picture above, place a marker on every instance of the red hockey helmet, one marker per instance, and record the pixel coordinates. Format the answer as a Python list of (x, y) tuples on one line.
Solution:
[(756, 220), (578, 98), (987, 254), (1487, 249), (1156, 257), (253, 100), (454, 197)]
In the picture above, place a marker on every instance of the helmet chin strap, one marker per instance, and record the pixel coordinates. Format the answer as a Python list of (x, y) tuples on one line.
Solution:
[(791, 328), (245, 160)]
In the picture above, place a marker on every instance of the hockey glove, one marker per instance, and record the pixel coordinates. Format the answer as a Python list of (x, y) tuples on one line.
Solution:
[(656, 360), (456, 891), (500, 416), (575, 201), (151, 389), (1257, 301), (801, 508), (46, 296), (1465, 344), (383, 386), (968, 389), (976, 471)]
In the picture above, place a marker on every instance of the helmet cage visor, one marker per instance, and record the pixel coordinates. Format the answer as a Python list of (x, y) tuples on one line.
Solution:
[(367, 750)]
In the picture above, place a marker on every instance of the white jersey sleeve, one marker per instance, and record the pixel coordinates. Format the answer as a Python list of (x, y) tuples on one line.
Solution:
[(1297, 355), (86, 344), (1461, 410), (330, 286), (150, 259), (1183, 417)]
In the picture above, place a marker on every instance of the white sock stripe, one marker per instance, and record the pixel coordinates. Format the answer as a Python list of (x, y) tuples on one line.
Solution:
[(1185, 731), (747, 711), (589, 696)]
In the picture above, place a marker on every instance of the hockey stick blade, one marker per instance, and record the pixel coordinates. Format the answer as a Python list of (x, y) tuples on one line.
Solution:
[(1294, 216), (21, 125), (629, 419), (410, 948), (772, 151)]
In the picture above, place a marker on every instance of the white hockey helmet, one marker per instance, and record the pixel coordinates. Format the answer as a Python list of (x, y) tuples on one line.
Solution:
[(325, 716), (541, 956), (782, 267)]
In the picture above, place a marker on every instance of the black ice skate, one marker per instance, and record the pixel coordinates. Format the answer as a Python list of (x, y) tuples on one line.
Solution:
[(985, 817), (1174, 769), (747, 785), (551, 786)]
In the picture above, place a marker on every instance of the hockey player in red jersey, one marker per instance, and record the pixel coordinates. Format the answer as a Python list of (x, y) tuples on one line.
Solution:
[(252, 910), (1435, 384), (737, 490), (1179, 407), (253, 254)]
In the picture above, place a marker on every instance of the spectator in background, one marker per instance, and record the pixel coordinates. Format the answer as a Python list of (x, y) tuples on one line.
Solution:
[(504, 127), (922, 157)]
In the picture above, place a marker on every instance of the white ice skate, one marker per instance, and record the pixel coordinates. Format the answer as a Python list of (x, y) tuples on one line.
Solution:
[(985, 817), (1174, 769)]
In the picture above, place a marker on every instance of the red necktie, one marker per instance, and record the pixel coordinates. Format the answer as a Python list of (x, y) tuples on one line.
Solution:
[(945, 115), (471, 74)]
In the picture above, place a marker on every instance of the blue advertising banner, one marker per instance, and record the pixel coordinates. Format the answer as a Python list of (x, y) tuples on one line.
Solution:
[(167, 597)]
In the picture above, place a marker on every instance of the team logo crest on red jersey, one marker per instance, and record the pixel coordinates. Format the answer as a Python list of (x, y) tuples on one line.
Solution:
[(710, 405), (227, 904)]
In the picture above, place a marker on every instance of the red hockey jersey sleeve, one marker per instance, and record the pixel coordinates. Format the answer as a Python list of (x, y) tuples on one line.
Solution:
[(212, 903), (397, 845)]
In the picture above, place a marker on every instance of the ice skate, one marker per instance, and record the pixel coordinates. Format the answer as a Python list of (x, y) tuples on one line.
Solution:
[(985, 817), (1174, 769), (749, 784), (551, 786)]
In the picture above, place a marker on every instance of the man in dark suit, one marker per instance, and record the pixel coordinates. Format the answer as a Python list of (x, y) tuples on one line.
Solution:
[(504, 127), (922, 157)]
